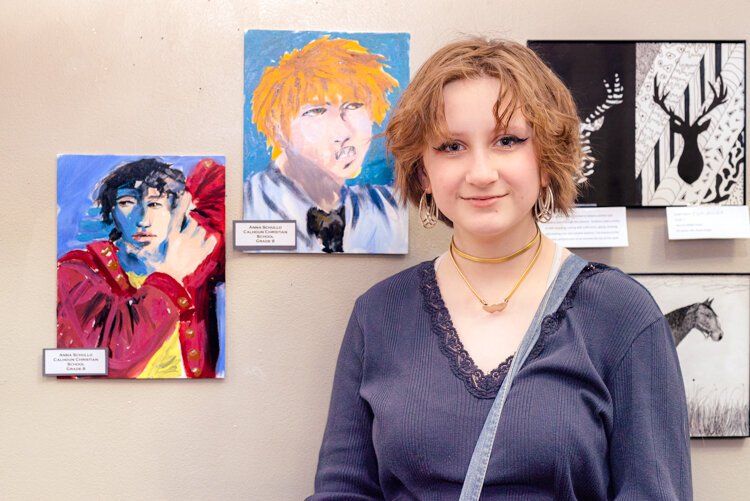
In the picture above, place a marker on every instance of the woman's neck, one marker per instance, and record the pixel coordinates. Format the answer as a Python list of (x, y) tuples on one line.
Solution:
[(498, 245)]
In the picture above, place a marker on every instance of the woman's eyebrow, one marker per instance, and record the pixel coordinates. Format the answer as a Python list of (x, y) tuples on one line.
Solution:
[(512, 128)]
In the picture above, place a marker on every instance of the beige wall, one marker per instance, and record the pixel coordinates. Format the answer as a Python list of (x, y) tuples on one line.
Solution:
[(165, 77)]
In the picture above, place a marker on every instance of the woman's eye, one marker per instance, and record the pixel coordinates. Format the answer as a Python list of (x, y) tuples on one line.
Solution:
[(155, 204), (351, 106), (314, 112), (450, 147), (509, 141), (125, 202)]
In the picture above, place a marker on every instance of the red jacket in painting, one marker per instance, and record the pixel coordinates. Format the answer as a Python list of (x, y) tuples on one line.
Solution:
[(98, 308)]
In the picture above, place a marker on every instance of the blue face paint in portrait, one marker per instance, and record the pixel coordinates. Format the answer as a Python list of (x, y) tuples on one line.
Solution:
[(144, 219)]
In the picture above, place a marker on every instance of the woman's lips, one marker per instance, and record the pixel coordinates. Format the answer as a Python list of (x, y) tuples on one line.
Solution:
[(483, 200), (143, 236)]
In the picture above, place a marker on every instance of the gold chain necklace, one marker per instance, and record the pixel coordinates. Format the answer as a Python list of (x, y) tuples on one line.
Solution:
[(497, 307), (495, 260)]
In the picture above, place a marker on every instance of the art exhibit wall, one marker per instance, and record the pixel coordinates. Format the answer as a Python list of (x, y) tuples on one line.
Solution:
[(166, 78)]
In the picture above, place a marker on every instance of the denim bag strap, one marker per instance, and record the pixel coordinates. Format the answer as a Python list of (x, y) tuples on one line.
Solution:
[(474, 480)]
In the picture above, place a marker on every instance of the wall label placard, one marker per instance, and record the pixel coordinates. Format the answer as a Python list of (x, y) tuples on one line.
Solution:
[(589, 227), (704, 222), (76, 362), (265, 235)]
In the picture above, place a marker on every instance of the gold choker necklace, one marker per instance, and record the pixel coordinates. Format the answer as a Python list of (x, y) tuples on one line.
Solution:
[(496, 260), (498, 307)]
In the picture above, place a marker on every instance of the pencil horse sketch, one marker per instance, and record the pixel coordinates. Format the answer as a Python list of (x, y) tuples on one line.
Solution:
[(699, 316)]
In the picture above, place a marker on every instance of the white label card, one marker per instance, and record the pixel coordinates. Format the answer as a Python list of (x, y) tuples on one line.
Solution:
[(265, 235), (589, 227), (76, 362), (703, 222)]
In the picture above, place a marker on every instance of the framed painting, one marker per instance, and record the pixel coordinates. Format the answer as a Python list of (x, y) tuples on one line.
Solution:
[(663, 121), (315, 103), (140, 262), (709, 315)]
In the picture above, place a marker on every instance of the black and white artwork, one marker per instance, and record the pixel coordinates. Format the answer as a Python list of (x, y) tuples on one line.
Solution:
[(664, 122), (710, 320)]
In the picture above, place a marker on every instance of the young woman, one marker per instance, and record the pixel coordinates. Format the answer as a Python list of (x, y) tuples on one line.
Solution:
[(486, 139)]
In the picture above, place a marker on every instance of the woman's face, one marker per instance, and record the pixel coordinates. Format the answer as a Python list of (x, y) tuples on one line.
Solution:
[(483, 179)]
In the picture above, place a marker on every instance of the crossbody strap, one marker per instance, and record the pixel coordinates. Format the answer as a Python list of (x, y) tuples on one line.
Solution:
[(474, 480)]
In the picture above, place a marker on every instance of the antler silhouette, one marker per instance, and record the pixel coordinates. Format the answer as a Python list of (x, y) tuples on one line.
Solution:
[(719, 98), (660, 100), (690, 165)]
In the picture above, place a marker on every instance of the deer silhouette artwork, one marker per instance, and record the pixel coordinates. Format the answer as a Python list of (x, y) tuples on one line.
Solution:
[(690, 165), (699, 316)]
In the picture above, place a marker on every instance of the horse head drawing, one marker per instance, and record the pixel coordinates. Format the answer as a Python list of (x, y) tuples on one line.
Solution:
[(699, 316)]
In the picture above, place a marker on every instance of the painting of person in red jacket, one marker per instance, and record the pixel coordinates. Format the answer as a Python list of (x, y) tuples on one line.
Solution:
[(152, 291)]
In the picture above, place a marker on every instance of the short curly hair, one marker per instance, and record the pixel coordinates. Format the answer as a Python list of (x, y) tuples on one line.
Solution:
[(526, 85)]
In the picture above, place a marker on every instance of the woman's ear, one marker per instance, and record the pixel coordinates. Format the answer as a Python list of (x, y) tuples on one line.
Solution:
[(424, 181), (544, 179)]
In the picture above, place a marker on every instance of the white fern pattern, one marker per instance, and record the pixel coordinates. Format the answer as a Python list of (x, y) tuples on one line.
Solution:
[(594, 122)]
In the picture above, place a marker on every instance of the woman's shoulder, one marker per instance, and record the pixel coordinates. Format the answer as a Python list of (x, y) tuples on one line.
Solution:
[(408, 280), (396, 297), (401, 290), (612, 294), (610, 310)]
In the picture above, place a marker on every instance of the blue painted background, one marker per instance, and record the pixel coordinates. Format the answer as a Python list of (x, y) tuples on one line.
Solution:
[(264, 48)]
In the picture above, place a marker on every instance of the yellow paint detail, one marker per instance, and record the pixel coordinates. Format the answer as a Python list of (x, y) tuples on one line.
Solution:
[(167, 361)]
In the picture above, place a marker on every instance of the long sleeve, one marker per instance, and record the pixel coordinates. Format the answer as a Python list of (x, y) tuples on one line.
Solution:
[(206, 184), (649, 448), (133, 324), (347, 466)]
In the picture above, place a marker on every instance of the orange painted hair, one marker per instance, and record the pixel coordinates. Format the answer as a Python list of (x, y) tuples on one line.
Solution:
[(324, 70)]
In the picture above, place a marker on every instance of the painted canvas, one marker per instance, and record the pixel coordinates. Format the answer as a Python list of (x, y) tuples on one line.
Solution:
[(315, 103), (663, 121), (710, 320), (140, 262)]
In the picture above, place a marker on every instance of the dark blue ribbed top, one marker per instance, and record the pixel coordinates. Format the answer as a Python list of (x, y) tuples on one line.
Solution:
[(596, 412)]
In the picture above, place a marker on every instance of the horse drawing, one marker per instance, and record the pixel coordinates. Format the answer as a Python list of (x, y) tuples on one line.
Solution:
[(699, 316)]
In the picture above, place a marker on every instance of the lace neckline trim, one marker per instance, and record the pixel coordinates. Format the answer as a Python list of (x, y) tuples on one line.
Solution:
[(478, 383)]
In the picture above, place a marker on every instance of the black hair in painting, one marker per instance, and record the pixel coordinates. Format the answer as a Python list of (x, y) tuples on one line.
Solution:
[(140, 175)]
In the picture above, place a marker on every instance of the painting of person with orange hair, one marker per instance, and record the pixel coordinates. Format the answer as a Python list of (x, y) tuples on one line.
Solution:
[(314, 106)]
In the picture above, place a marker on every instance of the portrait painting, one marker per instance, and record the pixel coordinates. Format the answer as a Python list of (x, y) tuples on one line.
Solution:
[(315, 105), (140, 262), (710, 320), (663, 122)]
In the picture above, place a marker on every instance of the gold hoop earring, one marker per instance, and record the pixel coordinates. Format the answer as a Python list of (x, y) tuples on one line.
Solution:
[(428, 211), (545, 205)]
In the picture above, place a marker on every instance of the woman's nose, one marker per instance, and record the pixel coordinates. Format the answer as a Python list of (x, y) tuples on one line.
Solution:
[(482, 170)]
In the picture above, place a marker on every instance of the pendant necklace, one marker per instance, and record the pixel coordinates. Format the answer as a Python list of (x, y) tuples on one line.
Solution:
[(497, 307)]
